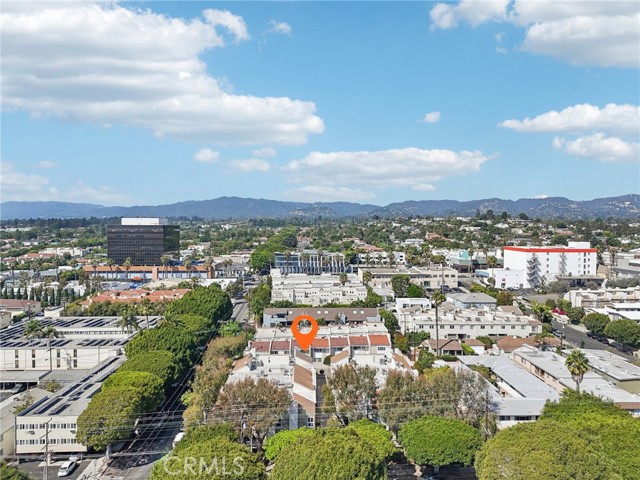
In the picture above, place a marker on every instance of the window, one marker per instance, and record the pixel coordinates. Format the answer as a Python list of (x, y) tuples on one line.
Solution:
[(75, 363), (17, 353), (17, 363), (75, 353), (58, 362), (33, 353), (310, 422), (382, 349), (58, 353), (33, 363)]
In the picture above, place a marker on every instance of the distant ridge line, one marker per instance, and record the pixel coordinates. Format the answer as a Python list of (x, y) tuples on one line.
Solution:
[(625, 206)]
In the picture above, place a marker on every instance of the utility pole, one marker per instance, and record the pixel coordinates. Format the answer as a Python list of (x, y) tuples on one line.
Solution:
[(486, 417), (45, 473)]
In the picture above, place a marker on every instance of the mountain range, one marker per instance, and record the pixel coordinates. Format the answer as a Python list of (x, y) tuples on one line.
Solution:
[(626, 206)]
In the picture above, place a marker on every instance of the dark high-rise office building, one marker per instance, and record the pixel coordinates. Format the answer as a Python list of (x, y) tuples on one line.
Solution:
[(144, 240)]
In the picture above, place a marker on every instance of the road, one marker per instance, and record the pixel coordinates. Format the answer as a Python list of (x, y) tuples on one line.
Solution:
[(575, 337), (156, 438)]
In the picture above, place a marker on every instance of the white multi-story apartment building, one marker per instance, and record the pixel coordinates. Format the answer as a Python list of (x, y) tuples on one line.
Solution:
[(316, 289), (545, 264), (433, 278), (467, 323), (381, 258), (312, 262)]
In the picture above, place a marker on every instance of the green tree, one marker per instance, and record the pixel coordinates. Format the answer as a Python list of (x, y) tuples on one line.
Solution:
[(160, 363), (403, 398), (128, 320), (150, 385), (367, 277), (624, 331), (32, 330), (400, 285), (504, 298), (338, 454), (343, 278), (282, 439), (200, 327), (110, 417), (210, 302), (577, 364), (415, 291), (596, 322), (175, 339), (253, 406), (556, 454), (390, 321), (50, 332), (231, 329), (354, 388), (11, 473), (440, 441), (575, 314), (377, 436), (425, 361)]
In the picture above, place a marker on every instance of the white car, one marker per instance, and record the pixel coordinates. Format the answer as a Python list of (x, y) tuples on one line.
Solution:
[(67, 468)]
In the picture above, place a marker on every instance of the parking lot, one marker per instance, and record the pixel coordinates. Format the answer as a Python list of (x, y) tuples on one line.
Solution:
[(35, 469)]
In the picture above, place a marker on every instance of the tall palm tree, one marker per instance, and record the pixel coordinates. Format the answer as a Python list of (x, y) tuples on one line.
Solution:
[(110, 264), (128, 263), (343, 278), (128, 320), (165, 259), (577, 364), (50, 332), (145, 309), (438, 298), (56, 265), (32, 330), (94, 264), (366, 277), (188, 264), (540, 338)]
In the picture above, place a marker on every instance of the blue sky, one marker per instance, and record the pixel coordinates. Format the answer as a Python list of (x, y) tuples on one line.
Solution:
[(374, 102)]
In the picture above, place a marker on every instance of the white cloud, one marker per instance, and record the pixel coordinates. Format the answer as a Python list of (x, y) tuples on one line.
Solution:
[(233, 23), (600, 33), (397, 167), (279, 27), (316, 193), (617, 119), (424, 187), (264, 152), (474, 12), (18, 186), (206, 155), (600, 147), (250, 165), (431, 117), (541, 196), (109, 64), (47, 164)]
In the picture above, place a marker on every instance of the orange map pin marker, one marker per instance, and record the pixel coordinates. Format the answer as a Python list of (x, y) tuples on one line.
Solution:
[(304, 339)]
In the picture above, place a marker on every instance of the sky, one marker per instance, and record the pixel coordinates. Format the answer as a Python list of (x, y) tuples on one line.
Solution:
[(145, 103)]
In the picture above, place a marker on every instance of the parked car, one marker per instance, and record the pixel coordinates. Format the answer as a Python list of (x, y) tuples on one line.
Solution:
[(67, 468), (18, 387)]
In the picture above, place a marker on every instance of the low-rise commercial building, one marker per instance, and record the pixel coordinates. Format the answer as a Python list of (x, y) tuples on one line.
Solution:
[(603, 297), (54, 418)]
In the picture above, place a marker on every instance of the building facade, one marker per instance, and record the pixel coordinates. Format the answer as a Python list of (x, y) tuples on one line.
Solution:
[(143, 240), (311, 262), (545, 264)]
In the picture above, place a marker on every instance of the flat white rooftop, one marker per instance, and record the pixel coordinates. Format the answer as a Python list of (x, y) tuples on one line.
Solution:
[(144, 221)]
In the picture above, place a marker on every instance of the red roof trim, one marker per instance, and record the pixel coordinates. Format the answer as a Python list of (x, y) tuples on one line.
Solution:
[(551, 250)]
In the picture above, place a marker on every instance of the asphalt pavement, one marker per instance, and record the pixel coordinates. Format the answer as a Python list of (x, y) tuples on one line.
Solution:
[(576, 337)]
